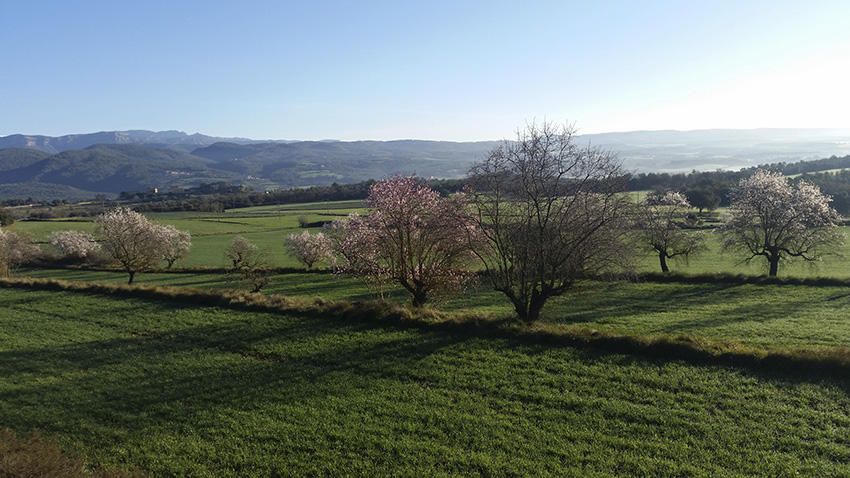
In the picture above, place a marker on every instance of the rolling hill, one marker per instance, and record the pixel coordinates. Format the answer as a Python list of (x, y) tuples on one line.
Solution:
[(112, 162), (165, 139)]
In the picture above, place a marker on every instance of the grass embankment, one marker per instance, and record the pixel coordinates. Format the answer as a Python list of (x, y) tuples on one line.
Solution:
[(698, 349), (772, 314), (175, 388)]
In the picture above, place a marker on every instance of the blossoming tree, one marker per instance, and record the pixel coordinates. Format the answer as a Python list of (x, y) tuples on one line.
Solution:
[(74, 244), (15, 250), (131, 239), (777, 220), (248, 263), (661, 217), (175, 244), (412, 237), (309, 249)]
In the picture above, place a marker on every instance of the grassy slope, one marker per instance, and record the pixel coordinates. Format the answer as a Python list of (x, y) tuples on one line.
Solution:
[(174, 389)]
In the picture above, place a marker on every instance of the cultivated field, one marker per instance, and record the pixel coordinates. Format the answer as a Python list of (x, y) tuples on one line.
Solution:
[(172, 387)]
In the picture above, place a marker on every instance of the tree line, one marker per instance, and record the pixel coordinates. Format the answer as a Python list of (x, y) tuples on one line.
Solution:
[(539, 214)]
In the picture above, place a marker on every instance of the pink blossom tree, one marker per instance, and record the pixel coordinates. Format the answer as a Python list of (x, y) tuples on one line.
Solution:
[(309, 249), (772, 218), (412, 237)]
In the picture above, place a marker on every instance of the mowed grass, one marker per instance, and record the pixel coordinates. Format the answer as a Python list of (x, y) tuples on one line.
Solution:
[(201, 391), (770, 316)]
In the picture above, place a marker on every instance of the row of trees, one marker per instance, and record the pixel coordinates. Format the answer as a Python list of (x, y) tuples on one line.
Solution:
[(541, 213), (122, 236)]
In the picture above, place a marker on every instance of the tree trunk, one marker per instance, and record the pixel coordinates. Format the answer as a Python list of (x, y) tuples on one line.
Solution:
[(420, 297), (662, 258), (773, 259), (132, 276), (529, 310)]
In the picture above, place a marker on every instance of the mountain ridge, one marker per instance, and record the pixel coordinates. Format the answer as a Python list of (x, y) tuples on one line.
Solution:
[(139, 160)]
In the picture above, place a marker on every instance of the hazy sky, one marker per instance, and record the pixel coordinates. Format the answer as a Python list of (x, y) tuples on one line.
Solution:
[(460, 70)]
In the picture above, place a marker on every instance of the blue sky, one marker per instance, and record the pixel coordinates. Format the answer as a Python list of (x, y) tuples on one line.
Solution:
[(458, 70)]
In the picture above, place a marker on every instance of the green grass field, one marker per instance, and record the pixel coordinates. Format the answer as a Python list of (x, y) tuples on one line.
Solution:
[(183, 390), (179, 390)]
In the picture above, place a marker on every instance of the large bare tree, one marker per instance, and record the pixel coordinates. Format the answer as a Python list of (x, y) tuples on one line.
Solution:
[(772, 218), (548, 212)]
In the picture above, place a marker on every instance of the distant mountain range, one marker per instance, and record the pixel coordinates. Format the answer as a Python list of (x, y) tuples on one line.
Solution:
[(82, 165)]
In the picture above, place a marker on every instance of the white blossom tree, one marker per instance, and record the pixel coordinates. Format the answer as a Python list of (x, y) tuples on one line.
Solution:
[(74, 244), (175, 244), (248, 263), (131, 239), (661, 220), (772, 218), (15, 250), (309, 249)]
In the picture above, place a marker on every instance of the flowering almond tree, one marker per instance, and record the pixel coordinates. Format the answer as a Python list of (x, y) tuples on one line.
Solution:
[(661, 217), (248, 263), (309, 249), (74, 244), (131, 239), (412, 237), (175, 244), (774, 219)]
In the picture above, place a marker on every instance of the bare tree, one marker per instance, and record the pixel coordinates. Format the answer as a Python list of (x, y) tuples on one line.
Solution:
[(548, 212), (774, 219), (661, 221)]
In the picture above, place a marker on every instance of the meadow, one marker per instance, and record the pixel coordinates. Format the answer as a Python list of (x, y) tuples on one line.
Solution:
[(175, 388)]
